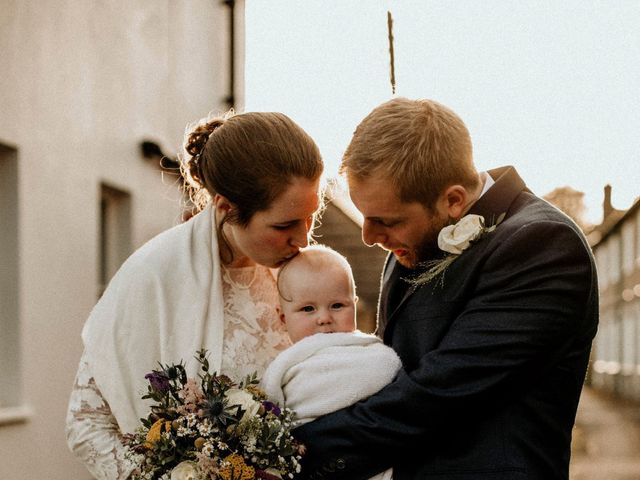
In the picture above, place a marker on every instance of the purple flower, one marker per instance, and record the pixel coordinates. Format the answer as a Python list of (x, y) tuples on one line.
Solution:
[(158, 380), (271, 407)]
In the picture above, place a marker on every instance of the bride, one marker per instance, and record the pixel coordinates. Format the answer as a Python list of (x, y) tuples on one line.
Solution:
[(205, 283)]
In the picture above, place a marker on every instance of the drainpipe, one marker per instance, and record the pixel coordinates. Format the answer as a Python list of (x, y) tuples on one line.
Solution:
[(230, 99)]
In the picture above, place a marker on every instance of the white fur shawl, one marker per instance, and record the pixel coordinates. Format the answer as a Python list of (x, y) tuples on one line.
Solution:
[(163, 304), (328, 371)]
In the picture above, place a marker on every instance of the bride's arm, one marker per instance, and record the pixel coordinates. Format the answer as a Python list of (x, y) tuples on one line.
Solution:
[(92, 431)]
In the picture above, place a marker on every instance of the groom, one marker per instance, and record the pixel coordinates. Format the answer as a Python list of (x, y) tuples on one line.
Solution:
[(494, 344)]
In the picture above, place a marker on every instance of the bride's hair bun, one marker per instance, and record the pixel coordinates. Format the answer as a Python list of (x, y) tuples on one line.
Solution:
[(249, 158), (194, 145)]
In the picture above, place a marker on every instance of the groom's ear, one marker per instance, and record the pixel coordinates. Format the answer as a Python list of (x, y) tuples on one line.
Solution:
[(455, 201)]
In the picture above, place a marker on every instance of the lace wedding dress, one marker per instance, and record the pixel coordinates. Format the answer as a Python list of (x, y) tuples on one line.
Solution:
[(253, 336)]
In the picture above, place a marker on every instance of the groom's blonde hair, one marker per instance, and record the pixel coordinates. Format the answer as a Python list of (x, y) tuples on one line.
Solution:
[(420, 146)]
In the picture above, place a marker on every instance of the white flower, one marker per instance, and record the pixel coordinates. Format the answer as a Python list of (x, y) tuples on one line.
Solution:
[(457, 238), (185, 471), (207, 449), (245, 400)]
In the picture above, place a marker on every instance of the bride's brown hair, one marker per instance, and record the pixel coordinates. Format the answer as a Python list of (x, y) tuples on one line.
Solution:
[(249, 158)]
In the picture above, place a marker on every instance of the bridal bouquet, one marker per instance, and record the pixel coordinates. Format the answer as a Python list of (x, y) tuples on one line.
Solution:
[(212, 428)]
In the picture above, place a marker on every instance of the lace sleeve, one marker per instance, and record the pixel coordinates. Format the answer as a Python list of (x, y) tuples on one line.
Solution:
[(92, 431)]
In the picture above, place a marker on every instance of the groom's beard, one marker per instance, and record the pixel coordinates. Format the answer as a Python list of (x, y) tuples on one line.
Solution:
[(428, 248)]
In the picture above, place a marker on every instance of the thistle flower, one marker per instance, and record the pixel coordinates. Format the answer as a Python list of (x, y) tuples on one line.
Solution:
[(215, 410)]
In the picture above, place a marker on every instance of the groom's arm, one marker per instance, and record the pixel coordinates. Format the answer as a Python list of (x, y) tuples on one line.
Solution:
[(527, 311)]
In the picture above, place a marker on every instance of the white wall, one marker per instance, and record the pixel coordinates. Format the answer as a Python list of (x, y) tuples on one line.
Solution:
[(81, 84)]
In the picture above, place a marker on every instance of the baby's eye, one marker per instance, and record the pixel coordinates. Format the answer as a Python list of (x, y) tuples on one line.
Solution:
[(307, 308), (337, 306)]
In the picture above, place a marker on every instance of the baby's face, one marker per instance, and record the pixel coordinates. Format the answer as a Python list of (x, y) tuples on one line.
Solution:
[(321, 301)]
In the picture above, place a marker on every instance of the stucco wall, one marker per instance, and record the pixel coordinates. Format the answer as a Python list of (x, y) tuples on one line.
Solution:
[(81, 84)]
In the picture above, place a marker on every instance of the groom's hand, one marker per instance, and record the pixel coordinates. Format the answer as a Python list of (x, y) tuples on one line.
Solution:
[(325, 457)]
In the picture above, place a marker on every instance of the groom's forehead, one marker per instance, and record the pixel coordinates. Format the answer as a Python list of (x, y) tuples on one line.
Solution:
[(374, 184), (378, 191)]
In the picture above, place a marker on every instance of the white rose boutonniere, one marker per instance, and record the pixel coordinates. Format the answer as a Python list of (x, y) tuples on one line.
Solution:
[(455, 239)]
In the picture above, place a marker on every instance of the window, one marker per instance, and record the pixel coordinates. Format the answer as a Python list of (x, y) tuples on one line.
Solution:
[(628, 246), (10, 374), (638, 238), (613, 349), (614, 258), (115, 232), (636, 320), (602, 340), (628, 339), (602, 265)]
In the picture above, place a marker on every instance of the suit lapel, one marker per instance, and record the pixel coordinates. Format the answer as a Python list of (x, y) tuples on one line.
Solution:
[(383, 298), (389, 331), (388, 304), (497, 200)]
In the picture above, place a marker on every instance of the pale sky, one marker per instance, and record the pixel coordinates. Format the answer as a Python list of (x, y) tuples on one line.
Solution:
[(551, 87)]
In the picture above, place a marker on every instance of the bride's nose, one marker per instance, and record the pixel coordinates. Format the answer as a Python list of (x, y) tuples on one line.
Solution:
[(300, 238)]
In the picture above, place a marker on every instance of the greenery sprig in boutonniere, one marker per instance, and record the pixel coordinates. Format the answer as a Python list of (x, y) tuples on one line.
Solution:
[(455, 239)]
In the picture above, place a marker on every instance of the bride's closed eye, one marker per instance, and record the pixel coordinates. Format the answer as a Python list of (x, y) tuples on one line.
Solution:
[(284, 226), (293, 223)]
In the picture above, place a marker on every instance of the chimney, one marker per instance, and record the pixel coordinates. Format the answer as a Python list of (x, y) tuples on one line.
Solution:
[(607, 207)]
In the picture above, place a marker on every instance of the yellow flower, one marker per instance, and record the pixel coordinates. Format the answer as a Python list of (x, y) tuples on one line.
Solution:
[(235, 469), (257, 392), (154, 433)]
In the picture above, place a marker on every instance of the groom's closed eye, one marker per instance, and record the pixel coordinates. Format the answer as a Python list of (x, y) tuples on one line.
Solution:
[(384, 222)]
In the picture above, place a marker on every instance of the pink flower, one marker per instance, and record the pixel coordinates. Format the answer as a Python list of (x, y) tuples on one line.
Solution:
[(191, 395)]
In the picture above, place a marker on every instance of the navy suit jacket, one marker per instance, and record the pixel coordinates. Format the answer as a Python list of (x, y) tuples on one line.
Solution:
[(494, 355)]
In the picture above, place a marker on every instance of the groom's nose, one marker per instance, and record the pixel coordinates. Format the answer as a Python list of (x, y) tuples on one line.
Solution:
[(371, 234)]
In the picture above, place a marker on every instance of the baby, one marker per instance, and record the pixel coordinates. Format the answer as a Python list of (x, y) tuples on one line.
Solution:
[(321, 373)]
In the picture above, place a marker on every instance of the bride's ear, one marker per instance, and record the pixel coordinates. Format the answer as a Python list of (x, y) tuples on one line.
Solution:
[(222, 205)]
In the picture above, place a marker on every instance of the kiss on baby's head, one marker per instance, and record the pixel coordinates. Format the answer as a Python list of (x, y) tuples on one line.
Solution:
[(317, 293)]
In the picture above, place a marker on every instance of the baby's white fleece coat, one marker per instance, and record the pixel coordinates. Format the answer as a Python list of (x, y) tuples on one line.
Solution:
[(329, 371)]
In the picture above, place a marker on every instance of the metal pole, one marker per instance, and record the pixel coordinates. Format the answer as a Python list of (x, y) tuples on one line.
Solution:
[(391, 55)]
